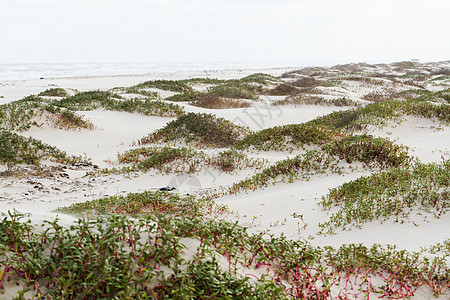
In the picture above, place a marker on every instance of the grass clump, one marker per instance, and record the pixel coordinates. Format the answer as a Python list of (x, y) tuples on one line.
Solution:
[(245, 88), (179, 86), (308, 82), (149, 107), (304, 99), (181, 160), (369, 150), (379, 113), (88, 100), (283, 89), (216, 102), (392, 193), (230, 160), (146, 203), (16, 149), (300, 167), (234, 90), (165, 160), (442, 96), (261, 78), (286, 137), (198, 129), (110, 101), (135, 90), (372, 152), (32, 110), (54, 92)]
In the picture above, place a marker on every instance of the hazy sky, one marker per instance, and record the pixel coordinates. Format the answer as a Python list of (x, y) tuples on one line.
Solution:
[(223, 30)]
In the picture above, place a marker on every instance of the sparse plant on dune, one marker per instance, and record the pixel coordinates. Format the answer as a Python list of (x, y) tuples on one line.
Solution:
[(231, 160), (32, 110), (165, 159), (380, 112), (309, 82), (283, 89), (180, 160), (16, 149), (216, 102), (88, 100), (442, 96), (110, 101), (392, 193), (287, 137), (233, 90), (198, 129), (179, 86), (372, 151), (54, 92), (305, 99), (244, 88)]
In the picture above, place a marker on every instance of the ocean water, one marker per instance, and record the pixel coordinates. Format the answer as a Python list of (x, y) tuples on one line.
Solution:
[(45, 70)]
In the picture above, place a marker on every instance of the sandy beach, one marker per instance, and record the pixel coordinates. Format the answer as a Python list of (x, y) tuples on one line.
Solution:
[(290, 204)]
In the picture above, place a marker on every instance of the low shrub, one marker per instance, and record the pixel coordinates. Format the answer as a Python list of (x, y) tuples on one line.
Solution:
[(54, 92), (16, 149), (305, 99), (216, 102), (230, 160), (181, 161), (109, 101), (198, 129), (369, 150), (286, 137), (88, 100), (392, 193), (165, 159), (22, 114)]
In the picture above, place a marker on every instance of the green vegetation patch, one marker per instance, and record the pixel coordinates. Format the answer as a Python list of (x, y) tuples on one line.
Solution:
[(101, 99), (185, 85), (300, 167), (116, 257), (236, 91), (217, 102), (369, 150), (306, 99), (54, 92), (233, 90), (164, 159), (88, 100), (395, 192), (198, 129), (372, 152), (32, 110), (442, 96), (16, 149), (284, 137), (379, 113), (119, 257), (248, 87), (146, 203), (181, 160), (230, 160), (179, 86)]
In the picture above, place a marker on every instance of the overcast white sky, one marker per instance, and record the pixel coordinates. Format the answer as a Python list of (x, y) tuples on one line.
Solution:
[(223, 30)]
